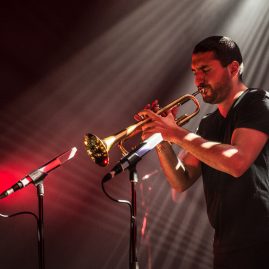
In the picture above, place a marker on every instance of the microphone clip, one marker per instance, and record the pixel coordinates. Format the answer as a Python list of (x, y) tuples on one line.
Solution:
[(37, 176)]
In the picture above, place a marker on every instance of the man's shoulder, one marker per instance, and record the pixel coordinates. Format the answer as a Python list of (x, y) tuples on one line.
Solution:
[(251, 92), (253, 96)]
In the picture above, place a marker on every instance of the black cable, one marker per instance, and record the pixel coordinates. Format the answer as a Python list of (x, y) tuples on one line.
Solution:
[(20, 213), (121, 202), (116, 200)]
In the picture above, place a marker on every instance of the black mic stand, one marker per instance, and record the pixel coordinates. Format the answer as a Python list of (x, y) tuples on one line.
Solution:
[(129, 162), (37, 177), (40, 226), (40, 221), (133, 223)]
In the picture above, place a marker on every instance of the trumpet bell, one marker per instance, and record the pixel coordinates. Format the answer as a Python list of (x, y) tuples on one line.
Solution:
[(96, 149)]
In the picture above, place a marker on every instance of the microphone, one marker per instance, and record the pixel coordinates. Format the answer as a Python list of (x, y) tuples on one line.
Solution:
[(38, 175), (135, 155)]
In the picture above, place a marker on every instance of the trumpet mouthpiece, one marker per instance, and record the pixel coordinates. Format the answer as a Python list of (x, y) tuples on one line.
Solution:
[(201, 89)]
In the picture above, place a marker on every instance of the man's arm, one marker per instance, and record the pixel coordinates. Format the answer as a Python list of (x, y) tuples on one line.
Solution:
[(234, 159), (181, 172)]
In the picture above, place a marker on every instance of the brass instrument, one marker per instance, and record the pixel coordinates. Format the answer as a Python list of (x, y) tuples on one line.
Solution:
[(98, 148)]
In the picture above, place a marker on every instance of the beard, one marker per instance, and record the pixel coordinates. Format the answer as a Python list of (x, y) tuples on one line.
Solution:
[(217, 93)]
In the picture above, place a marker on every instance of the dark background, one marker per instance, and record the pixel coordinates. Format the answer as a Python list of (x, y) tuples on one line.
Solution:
[(72, 67)]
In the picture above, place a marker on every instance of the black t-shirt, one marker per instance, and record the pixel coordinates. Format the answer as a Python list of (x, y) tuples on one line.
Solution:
[(238, 208)]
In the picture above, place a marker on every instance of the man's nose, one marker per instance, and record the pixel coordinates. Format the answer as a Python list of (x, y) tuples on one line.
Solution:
[(199, 78)]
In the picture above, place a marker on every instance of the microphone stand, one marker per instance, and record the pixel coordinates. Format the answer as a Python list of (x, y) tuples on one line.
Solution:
[(133, 223), (40, 225), (129, 162), (38, 182), (37, 177)]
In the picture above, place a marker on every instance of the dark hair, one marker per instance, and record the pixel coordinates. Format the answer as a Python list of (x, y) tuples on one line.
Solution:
[(224, 48)]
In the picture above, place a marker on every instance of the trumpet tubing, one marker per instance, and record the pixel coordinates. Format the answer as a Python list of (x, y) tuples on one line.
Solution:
[(98, 148)]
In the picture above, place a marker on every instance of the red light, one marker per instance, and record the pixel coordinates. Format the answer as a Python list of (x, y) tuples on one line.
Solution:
[(105, 162), (10, 173)]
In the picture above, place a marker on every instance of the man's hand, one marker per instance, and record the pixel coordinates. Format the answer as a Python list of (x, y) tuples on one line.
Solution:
[(159, 124), (154, 106)]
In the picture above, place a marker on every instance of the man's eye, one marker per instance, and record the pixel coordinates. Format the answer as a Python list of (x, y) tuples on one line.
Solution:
[(206, 70)]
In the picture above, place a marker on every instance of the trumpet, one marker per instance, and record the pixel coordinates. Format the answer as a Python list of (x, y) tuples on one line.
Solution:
[(98, 148)]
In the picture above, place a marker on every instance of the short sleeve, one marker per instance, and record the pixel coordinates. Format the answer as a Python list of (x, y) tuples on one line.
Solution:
[(253, 111)]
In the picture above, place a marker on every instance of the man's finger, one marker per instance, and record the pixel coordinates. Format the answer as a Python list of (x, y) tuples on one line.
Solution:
[(174, 111), (147, 106), (138, 118), (148, 113)]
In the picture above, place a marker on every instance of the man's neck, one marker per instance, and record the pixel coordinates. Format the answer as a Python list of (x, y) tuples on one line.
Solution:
[(225, 106)]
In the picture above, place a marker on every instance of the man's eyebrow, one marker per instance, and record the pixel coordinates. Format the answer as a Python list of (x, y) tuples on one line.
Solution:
[(200, 67)]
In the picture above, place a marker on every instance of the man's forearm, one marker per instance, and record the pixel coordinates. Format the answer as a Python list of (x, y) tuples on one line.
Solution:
[(234, 158), (174, 169)]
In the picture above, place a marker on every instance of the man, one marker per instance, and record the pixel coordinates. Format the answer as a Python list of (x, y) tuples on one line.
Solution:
[(230, 151)]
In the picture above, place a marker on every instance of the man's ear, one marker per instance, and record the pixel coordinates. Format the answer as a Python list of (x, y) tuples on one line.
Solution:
[(234, 68)]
